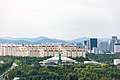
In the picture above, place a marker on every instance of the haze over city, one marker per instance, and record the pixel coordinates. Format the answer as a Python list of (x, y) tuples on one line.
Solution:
[(63, 19)]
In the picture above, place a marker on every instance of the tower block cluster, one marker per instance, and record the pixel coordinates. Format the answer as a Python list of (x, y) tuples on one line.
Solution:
[(41, 50)]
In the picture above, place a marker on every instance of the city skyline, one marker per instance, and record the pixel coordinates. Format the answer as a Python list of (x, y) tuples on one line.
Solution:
[(59, 19)]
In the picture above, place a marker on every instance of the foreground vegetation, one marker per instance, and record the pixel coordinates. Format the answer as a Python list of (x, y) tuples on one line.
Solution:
[(29, 69), (103, 58)]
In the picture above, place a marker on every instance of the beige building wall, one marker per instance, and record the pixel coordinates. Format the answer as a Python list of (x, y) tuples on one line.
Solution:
[(0, 50), (40, 50), (42, 53)]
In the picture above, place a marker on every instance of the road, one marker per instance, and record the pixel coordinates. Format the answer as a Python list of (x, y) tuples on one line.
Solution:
[(1, 78), (13, 66)]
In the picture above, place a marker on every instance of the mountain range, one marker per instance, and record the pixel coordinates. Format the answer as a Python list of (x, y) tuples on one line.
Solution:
[(39, 40)]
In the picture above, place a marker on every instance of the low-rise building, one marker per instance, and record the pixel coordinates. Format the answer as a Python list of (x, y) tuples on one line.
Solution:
[(116, 61), (58, 59), (1, 61), (16, 78), (92, 62)]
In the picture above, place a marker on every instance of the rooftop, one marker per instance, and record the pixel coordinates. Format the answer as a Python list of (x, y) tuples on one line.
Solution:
[(56, 58)]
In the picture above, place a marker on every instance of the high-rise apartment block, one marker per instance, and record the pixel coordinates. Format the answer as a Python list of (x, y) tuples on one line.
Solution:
[(41, 50)]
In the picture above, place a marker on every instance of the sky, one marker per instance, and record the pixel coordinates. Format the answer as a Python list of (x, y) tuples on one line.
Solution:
[(62, 19)]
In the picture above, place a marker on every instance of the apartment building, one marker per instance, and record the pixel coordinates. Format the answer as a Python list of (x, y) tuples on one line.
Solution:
[(41, 50)]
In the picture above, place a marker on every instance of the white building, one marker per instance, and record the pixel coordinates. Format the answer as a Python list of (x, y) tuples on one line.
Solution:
[(117, 48), (1, 62), (94, 50), (16, 78), (116, 61), (54, 60), (92, 62)]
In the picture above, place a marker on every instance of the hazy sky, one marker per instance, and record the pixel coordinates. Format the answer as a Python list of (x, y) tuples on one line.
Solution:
[(63, 19)]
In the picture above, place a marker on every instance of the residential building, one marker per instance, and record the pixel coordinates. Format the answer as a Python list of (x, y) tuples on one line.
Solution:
[(41, 50)]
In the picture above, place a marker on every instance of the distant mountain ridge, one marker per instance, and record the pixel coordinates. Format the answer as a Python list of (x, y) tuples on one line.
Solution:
[(78, 40), (40, 40)]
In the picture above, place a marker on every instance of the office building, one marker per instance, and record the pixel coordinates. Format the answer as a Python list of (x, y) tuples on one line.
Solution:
[(118, 40), (85, 42), (93, 43), (79, 45), (86, 45), (117, 48), (103, 46), (113, 41)]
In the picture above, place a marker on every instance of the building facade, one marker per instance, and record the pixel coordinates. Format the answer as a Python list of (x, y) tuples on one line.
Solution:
[(112, 43), (117, 48), (116, 61), (103, 46), (41, 50), (93, 43)]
